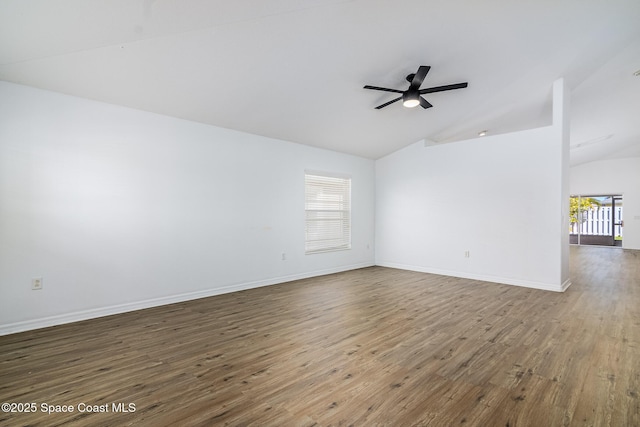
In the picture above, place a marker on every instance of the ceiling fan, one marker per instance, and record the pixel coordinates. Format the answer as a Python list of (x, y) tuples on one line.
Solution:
[(412, 96)]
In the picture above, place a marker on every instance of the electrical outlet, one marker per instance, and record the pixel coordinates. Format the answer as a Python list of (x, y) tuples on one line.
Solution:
[(284, 256), (467, 254), (36, 283)]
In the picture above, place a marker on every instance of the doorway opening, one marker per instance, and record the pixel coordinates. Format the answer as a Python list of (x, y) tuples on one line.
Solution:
[(596, 220)]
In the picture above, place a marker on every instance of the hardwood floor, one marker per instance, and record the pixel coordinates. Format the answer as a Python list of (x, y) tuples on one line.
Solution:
[(370, 347)]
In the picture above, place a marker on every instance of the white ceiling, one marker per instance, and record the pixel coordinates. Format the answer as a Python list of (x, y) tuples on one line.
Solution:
[(294, 69)]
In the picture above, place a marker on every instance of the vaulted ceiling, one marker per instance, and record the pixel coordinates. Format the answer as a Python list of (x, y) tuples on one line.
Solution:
[(294, 69)]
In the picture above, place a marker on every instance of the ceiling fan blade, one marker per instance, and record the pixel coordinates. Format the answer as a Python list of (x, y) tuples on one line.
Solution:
[(419, 76), (424, 103), (388, 103), (383, 89), (443, 88)]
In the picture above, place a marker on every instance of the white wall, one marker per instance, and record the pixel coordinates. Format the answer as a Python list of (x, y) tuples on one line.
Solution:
[(617, 176), (487, 196), (119, 209)]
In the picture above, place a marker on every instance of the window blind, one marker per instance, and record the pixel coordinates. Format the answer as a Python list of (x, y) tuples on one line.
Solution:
[(328, 213)]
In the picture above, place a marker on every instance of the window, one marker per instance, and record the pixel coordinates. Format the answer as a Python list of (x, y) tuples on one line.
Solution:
[(328, 212)]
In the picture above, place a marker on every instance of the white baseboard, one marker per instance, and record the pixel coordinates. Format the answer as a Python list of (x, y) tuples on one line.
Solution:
[(565, 285), (77, 316), (484, 278)]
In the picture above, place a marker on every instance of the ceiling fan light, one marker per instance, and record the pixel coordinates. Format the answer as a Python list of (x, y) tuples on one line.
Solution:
[(410, 100), (411, 103)]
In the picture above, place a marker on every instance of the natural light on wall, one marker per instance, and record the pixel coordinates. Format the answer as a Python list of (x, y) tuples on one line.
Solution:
[(327, 212)]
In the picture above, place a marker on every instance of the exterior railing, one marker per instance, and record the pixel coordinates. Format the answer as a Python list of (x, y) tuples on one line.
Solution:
[(599, 221)]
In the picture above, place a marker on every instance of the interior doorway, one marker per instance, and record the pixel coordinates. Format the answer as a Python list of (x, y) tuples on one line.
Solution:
[(596, 220)]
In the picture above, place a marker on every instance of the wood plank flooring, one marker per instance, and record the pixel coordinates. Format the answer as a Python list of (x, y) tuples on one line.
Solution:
[(370, 347)]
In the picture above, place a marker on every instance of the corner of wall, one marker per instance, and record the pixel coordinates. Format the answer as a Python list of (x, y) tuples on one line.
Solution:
[(561, 123)]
